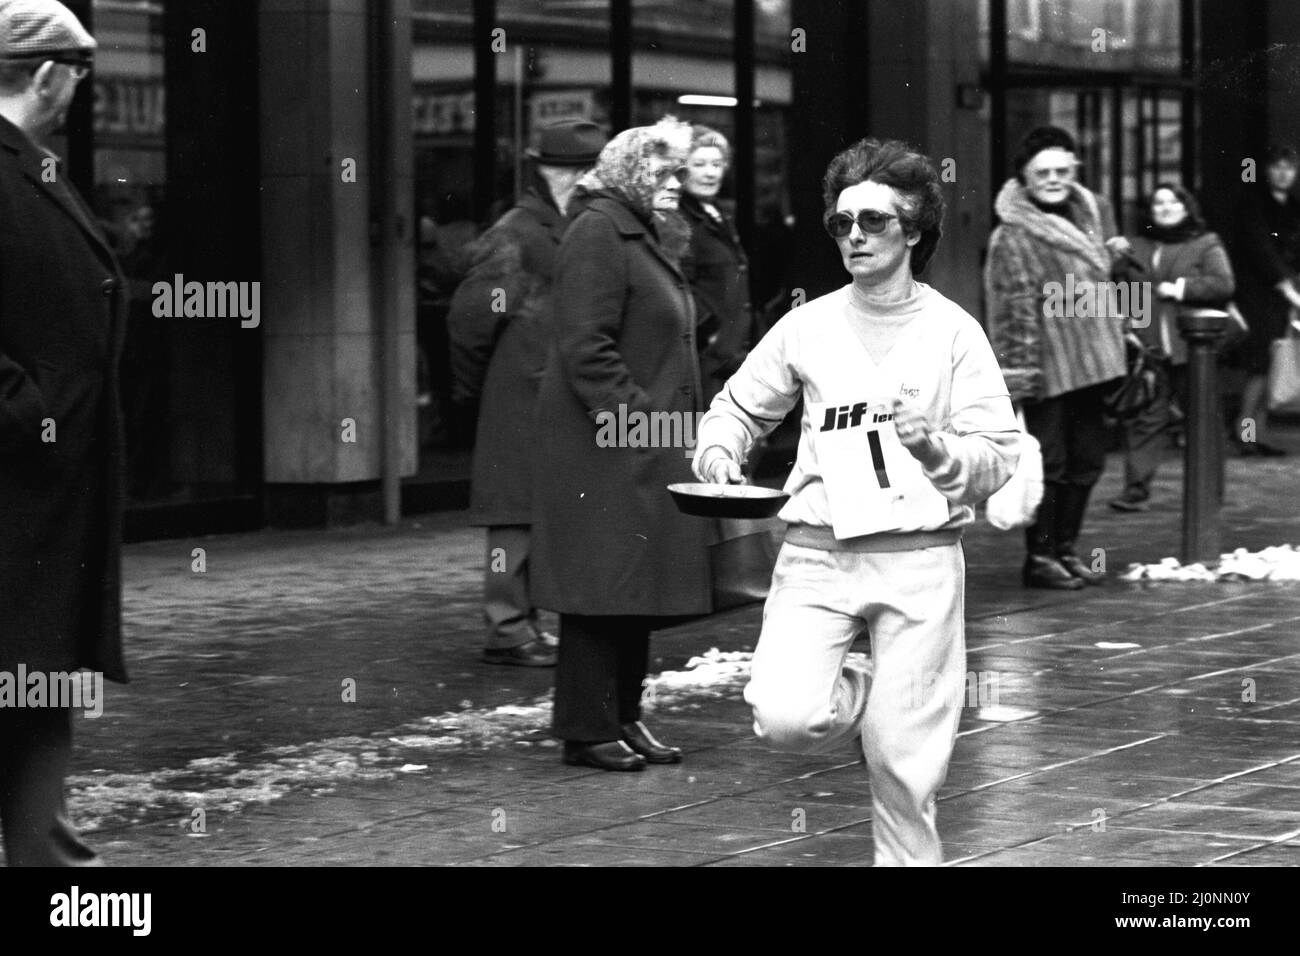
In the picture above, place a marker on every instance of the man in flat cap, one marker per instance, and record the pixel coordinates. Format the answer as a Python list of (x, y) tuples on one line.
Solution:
[(61, 326), (499, 326)]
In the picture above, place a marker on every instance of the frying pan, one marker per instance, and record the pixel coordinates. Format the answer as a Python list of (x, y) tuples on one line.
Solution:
[(707, 500)]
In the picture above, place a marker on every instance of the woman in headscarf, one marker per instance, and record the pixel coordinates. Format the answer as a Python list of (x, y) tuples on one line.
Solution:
[(1186, 266), (615, 557), (1058, 365)]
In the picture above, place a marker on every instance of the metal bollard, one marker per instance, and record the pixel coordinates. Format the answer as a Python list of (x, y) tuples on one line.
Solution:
[(1202, 464)]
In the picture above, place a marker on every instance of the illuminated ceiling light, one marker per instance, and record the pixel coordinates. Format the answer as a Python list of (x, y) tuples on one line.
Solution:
[(700, 99)]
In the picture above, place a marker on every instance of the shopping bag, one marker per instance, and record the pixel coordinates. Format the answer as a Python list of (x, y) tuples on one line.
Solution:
[(1015, 503), (1140, 387), (1284, 375), (742, 562)]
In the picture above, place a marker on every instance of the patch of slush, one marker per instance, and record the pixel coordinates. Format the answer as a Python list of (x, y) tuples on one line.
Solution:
[(1278, 563), (1002, 713), (225, 783)]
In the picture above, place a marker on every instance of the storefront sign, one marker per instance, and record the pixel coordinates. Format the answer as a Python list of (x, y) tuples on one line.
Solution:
[(130, 109), (549, 107), (442, 114)]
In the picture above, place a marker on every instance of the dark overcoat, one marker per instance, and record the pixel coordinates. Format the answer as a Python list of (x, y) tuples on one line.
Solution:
[(499, 328), (62, 320), (1266, 251), (1202, 261), (607, 538), (718, 270)]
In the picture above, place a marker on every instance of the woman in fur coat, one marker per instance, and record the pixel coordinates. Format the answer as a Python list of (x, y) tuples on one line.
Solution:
[(1059, 346)]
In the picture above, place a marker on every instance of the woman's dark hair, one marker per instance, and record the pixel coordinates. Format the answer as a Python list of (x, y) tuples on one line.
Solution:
[(893, 163), (1035, 141), (1194, 218), (1281, 153)]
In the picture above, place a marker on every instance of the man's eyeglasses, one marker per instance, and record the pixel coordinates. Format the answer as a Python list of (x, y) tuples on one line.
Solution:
[(79, 65), (840, 224), (80, 68)]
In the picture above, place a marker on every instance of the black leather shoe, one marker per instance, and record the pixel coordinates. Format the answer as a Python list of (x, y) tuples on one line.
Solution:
[(1044, 572), (1130, 501), (1076, 567), (611, 755), (640, 740), (532, 654)]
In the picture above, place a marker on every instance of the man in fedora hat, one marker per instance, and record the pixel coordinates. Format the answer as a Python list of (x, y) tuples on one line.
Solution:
[(499, 326), (62, 318)]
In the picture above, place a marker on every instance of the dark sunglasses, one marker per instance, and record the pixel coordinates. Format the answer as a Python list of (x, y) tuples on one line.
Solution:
[(680, 173), (840, 224)]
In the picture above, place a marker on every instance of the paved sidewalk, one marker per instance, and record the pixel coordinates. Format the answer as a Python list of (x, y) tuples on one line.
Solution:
[(1154, 724)]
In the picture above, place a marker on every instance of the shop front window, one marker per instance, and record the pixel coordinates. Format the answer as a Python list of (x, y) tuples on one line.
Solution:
[(554, 64), (684, 65), (1107, 35), (442, 124), (129, 137)]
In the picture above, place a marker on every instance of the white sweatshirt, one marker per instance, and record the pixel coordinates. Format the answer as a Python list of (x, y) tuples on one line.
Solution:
[(846, 348)]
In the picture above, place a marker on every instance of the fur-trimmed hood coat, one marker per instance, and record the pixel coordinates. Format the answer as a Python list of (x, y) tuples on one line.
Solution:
[(1048, 341)]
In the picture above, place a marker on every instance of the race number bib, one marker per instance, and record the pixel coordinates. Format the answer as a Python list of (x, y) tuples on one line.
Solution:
[(872, 482)]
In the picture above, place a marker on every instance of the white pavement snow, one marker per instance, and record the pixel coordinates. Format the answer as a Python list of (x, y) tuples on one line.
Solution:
[(227, 782), (1278, 563)]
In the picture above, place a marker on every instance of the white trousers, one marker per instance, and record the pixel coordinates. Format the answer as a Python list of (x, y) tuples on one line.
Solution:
[(904, 707)]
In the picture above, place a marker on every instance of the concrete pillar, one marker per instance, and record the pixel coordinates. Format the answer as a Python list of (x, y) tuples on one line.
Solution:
[(828, 78), (213, 367), (922, 54), (323, 379), (891, 69)]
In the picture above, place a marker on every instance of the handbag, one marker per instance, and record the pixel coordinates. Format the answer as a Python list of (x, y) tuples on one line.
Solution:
[(1284, 374), (1015, 504), (1140, 386), (742, 562)]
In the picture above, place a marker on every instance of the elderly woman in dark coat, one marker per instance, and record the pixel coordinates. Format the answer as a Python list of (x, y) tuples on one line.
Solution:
[(715, 265), (615, 558), (1186, 266)]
